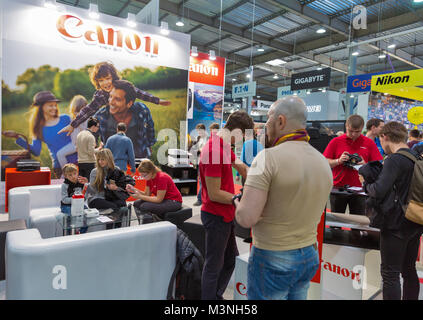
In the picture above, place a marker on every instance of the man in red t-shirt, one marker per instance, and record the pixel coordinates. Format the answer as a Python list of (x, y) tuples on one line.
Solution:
[(337, 154), (217, 211)]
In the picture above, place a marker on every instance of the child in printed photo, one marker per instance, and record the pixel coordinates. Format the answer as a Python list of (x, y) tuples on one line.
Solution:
[(102, 76)]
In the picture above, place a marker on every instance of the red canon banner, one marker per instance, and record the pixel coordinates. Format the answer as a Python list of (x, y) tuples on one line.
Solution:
[(203, 70)]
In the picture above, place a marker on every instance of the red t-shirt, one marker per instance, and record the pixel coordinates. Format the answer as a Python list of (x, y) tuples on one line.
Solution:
[(365, 147), (216, 161), (163, 181)]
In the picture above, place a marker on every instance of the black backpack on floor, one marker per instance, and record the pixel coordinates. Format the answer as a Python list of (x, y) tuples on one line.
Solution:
[(186, 277)]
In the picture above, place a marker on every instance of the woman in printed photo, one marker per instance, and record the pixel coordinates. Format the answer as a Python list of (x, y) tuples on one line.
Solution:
[(44, 124)]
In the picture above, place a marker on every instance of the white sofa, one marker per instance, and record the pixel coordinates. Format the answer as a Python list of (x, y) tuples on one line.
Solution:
[(39, 206), (125, 263)]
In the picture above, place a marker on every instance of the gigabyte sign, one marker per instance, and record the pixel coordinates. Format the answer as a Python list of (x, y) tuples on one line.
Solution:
[(73, 28), (310, 80)]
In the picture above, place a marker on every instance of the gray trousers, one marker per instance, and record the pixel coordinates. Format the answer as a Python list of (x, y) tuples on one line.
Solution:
[(158, 208)]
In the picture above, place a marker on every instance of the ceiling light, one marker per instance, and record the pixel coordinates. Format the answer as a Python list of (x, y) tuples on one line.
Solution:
[(392, 46), (51, 4), (295, 93), (93, 11), (417, 1), (233, 79), (194, 52), (131, 20), (321, 30), (308, 92), (260, 49), (324, 90), (164, 28), (248, 76), (276, 62), (352, 96), (275, 76), (180, 23), (319, 68), (355, 53), (212, 55), (382, 56)]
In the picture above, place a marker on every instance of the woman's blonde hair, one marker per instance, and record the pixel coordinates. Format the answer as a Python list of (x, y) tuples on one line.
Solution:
[(107, 155), (147, 166), (76, 104)]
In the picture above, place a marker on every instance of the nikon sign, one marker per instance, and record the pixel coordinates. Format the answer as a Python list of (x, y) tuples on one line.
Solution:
[(311, 80)]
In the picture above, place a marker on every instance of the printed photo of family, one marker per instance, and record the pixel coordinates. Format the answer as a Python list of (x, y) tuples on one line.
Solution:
[(52, 124)]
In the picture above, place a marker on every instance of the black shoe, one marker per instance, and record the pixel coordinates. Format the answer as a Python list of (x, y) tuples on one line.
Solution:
[(197, 203)]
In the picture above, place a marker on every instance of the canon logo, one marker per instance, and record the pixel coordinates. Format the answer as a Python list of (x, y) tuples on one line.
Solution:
[(344, 272), (241, 288), (207, 70), (73, 28)]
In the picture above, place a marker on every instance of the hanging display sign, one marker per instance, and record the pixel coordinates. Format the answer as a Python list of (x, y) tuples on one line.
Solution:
[(286, 91), (63, 55), (242, 90), (311, 80), (261, 105), (361, 83), (407, 84), (205, 91)]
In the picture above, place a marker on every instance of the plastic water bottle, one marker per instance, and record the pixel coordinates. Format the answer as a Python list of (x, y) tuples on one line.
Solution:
[(77, 205)]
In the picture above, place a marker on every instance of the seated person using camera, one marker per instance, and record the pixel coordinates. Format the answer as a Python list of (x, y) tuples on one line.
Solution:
[(161, 194), (341, 153)]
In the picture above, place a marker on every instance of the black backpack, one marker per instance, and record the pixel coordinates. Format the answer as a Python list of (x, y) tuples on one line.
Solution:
[(186, 277)]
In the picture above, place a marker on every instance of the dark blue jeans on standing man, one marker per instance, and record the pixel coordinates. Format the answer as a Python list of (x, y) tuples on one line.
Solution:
[(221, 251)]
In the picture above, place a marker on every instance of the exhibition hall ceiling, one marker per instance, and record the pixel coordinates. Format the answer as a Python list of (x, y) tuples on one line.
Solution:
[(254, 32)]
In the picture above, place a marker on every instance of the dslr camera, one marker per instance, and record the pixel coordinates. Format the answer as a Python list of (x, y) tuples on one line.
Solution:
[(353, 160)]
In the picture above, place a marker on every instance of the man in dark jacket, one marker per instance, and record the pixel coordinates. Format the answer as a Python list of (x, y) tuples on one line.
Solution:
[(399, 237)]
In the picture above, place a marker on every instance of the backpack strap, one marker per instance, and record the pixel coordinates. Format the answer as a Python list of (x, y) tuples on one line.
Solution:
[(408, 155)]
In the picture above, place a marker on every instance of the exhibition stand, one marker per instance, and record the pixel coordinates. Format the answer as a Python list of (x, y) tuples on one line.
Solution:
[(349, 261)]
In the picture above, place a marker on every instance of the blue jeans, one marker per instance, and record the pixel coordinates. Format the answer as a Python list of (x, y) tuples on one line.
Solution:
[(199, 193), (281, 275)]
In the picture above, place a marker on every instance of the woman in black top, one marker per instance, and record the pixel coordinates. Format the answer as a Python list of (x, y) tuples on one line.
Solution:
[(399, 237)]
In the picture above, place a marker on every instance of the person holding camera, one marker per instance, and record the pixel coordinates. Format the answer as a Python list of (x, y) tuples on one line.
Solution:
[(217, 211), (342, 154), (284, 196)]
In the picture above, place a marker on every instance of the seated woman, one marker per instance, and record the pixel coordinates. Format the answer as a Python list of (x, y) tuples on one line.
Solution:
[(99, 184), (161, 194)]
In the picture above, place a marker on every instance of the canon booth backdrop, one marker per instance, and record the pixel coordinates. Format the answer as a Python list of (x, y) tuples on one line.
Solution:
[(54, 50), (206, 91)]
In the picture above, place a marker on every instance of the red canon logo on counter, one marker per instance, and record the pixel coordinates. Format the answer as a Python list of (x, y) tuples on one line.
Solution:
[(341, 271), (241, 288), (73, 28)]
